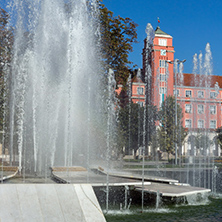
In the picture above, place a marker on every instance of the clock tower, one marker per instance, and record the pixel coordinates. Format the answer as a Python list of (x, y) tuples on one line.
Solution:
[(162, 71)]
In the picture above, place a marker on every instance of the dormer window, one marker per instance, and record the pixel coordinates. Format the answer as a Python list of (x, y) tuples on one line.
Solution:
[(139, 90), (162, 42)]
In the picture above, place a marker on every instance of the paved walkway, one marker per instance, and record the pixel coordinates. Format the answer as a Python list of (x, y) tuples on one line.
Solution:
[(49, 202)]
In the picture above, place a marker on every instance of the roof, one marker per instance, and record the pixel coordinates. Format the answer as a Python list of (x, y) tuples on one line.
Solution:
[(197, 80), (137, 80), (159, 32)]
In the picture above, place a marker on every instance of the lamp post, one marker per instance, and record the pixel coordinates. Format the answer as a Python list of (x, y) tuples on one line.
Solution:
[(176, 62)]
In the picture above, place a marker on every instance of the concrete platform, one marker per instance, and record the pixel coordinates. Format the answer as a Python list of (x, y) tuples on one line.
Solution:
[(99, 176), (169, 190), (77, 175), (164, 186), (146, 177), (49, 202)]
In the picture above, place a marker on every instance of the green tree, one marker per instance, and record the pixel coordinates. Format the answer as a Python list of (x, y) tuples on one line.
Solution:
[(131, 126), (117, 36), (170, 133), (219, 135), (151, 133)]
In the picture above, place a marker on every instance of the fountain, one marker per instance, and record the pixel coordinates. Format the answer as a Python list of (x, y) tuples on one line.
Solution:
[(56, 113)]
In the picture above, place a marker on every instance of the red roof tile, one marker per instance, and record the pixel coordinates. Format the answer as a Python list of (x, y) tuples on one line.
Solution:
[(136, 79), (197, 80)]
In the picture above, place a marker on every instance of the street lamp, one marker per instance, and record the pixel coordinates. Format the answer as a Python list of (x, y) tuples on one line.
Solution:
[(176, 62)]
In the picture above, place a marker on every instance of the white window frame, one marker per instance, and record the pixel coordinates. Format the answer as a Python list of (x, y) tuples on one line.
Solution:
[(200, 123), (213, 95), (200, 110), (200, 94), (163, 90), (139, 89), (188, 93), (213, 124), (140, 103), (163, 42), (188, 108), (213, 109), (162, 78), (188, 123), (162, 63), (178, 92)]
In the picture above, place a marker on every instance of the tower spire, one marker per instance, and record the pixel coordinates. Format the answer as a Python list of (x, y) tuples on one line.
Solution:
[(158, 20)]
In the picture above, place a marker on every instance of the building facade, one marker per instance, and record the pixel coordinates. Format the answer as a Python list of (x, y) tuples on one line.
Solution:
[(199, 95)]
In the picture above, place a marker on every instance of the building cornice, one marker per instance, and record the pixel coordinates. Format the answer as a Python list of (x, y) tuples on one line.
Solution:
[(198, 101), (142, 97), (138, 83), (165, 36), (162, 49), (197, 87)]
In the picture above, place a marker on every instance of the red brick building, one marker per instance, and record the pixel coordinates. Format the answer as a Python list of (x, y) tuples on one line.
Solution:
[(199, 95)]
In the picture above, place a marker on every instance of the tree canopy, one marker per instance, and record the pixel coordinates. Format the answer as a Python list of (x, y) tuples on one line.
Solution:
[(117, 36)]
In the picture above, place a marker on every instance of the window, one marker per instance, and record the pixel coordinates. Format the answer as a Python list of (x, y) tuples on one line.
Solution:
[(140, 90), (162, 90), (176, 94), (162, 63), (188, 123), (163, 42), (188, 93), (212, 109), (200, 109), (213, 95), (213, 124), (162, 78), (188, 108), (200, 94), (140, 104), (200, 123)]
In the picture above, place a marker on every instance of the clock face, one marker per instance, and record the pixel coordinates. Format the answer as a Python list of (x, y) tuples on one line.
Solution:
[(163, 52)]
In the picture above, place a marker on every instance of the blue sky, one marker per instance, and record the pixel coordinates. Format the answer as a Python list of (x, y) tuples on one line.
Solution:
[(192, 23)]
